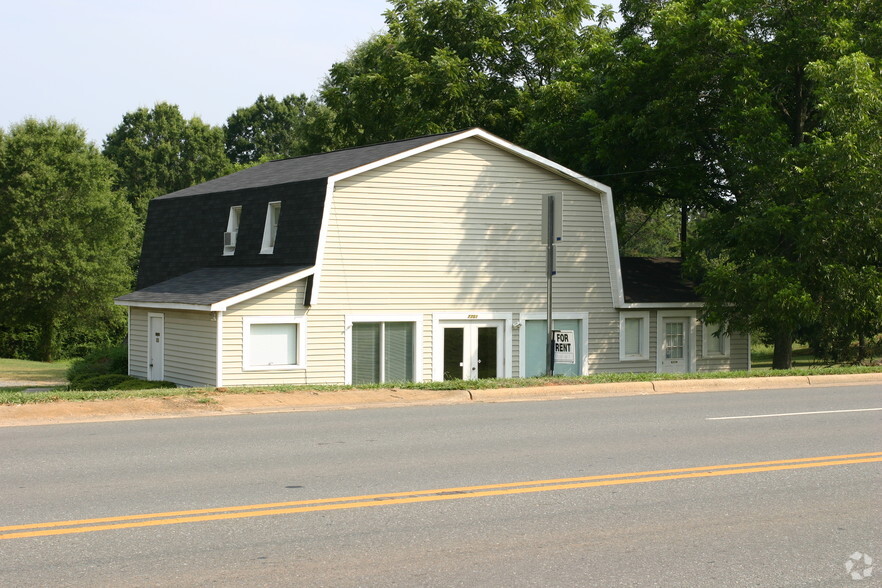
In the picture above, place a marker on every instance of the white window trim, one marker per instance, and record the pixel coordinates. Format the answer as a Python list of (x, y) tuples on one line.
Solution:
[(416, 319), (233, 227), (438, 338), (266, 248), (690, 337), (707, 334), (541, 316), (643, 355), (247, 321)]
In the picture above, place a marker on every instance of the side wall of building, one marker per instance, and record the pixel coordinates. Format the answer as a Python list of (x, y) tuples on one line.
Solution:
[(456, 231), (283, 302), (138, 342), (190, 346)]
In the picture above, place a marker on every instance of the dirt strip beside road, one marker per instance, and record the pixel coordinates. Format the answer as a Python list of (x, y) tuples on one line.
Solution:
[(226, 403)]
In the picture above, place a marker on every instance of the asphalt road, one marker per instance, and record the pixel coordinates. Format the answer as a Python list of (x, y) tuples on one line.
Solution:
[(632, 491)]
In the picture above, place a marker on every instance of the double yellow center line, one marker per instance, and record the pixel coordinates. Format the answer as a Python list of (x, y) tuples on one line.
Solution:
[(349, 502)]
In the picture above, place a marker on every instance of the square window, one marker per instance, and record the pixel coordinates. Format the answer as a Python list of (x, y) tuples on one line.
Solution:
[(273, 343), (537, 347), (715, 341), (382, 352)]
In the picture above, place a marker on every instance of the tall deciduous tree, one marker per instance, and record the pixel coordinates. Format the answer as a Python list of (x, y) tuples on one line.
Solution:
[(271, 128), (158, 151), (65, 236), (721, 106), (453, 64)]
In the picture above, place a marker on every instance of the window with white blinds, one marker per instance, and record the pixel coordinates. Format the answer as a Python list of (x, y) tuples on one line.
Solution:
[(633, 336), (382, 352), (273, 343)]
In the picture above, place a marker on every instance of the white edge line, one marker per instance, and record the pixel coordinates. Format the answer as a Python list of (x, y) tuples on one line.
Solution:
[(784, 414)]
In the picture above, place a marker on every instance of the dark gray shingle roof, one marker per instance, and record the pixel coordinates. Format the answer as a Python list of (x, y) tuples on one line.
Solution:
[(307, 167), (210, 285), (656, 279)]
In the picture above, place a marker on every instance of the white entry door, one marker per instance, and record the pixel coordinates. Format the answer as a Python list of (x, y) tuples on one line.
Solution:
[(674, 351), (155, 347), (473, 349)]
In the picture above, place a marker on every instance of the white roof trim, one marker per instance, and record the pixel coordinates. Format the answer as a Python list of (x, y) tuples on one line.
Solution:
[(323, 239), (289, 279), (163, 305), (489, 138), (223, 304), (648, 305)]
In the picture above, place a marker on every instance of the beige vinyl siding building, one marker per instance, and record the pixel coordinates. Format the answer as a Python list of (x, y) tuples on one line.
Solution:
[(425, 263), (189, 346)]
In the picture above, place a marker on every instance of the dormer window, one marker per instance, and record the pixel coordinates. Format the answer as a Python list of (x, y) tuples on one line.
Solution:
[(271, 227), (232, 232)]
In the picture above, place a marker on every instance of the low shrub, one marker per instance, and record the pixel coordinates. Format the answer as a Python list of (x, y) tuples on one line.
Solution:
[(107, 360), (102, 382), (117, 382), (136, 384)]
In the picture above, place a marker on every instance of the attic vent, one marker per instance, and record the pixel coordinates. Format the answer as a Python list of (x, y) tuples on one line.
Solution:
[(230, 238)]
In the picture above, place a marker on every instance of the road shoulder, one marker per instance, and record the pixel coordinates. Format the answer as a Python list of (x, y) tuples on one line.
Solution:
[(230, 403)]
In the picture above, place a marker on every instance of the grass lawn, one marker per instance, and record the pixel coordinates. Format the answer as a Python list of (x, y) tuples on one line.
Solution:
[(33, 371), (761, 357)]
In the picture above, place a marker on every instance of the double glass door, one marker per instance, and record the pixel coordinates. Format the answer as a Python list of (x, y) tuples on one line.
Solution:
[(473, 349)]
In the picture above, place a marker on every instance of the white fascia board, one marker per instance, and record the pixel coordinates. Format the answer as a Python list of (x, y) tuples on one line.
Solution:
[(489, 138), (163, 305), (223, 304), (289, 279), (612, 249), (663, 305), (323, 239), (219, 351)]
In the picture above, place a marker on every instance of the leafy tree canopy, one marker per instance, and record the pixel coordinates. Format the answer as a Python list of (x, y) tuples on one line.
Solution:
[(272, 129), (157, 151), (737, 106), (65, 236), (447, 65)]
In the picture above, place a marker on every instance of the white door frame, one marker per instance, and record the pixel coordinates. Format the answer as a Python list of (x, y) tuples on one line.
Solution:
[(689, 321), (152, 370), (504, 338)]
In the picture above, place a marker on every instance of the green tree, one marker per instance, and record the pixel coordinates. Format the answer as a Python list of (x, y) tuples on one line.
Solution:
[(272, 129), (447, 65), (65, 236), (720, 105), (157, 151)]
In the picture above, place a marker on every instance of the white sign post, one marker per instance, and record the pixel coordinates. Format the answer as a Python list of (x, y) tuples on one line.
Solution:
[(564, 347)]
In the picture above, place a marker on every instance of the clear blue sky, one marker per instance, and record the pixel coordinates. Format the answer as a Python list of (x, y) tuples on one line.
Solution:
[(91, 61)]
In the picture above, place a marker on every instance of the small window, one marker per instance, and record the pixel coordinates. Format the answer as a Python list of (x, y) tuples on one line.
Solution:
[(273, 343), (271, 227), (715, 341), (536, 350), (232, 232), (634, 336), (382, 352)]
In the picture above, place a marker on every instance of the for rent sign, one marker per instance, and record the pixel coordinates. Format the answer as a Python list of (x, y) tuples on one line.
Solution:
[(564, 347)]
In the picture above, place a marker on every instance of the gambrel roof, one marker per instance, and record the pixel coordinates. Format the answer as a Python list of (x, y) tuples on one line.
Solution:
[(183, 262), (305, 168), (653, 280), (213, 288)]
